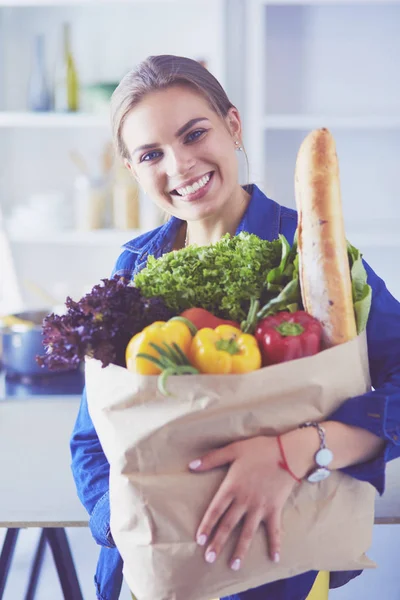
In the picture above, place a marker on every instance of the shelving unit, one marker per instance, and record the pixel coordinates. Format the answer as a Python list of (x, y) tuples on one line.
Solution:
[(108, 38), (324, 2), (54, 135), (334, 64), (299, 121), (368, 235), (325, 63), (99, 237), (114, 239), (10, 119), (289, 65), (53, 3)]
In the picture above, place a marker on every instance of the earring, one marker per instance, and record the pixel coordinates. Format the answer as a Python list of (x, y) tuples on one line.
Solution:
[(239, 148)]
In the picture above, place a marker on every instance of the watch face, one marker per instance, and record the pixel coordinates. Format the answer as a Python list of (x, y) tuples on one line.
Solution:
[(323, 457), (318, 475)]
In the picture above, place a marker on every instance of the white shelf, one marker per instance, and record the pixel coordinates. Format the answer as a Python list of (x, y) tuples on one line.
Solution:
[(324, 2), (366, 241), (387, 237), (38, 3), (100, 237), (275, 121), (51, 119), (373, 233)]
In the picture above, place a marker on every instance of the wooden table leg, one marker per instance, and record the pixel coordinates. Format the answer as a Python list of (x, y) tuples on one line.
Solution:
[(36, 567), (58, 541), (6, 556)]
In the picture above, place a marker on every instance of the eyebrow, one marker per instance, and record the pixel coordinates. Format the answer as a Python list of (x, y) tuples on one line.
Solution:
[(188, 125), (180, 132)]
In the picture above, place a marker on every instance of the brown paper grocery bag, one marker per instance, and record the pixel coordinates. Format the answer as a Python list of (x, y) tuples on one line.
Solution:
[(157, 504)]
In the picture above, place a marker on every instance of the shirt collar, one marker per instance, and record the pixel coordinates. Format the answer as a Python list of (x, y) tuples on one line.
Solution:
[(262, 217)]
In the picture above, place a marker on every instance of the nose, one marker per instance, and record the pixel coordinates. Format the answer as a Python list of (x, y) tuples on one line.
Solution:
[(179, 161)]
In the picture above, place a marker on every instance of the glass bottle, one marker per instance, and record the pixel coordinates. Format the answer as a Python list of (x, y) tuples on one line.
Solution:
[(125, 199), (66, 87), (38, 90)]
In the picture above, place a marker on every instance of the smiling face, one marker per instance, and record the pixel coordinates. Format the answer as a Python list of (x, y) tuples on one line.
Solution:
[(183, 153)]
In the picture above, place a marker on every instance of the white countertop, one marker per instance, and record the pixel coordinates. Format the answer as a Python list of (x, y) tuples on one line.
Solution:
[(36, 484)]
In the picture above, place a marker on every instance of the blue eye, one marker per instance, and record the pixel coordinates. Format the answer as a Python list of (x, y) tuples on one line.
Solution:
[(150, 156), (194, 135)]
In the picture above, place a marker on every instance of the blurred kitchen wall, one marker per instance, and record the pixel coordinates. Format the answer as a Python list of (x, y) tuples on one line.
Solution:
[(288, 66), (66, 232)]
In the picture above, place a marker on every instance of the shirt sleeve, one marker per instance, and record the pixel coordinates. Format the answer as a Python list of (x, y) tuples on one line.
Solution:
[(89, 465), (91, 471), (378, 411)]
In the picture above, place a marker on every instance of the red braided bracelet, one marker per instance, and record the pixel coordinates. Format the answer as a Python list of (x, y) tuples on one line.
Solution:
[(283, 464)]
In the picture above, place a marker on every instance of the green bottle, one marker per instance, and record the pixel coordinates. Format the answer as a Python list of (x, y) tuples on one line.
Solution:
[(66, 87)]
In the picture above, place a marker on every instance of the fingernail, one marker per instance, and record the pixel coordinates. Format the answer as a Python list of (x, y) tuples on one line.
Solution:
[(276, 557), (235, 566), (201, 539), (210, 557), (195, 464)]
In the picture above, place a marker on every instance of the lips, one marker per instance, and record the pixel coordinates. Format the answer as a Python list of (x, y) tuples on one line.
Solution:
[(197, 194), (190, 182)]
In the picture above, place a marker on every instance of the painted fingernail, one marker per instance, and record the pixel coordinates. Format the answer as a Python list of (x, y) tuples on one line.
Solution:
[(235, 566), (276, 557), (195, 464), (201, 539), (210, 557)]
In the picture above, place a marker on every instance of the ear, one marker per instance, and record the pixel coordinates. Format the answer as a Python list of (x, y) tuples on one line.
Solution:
[(130, 168), (234, 123)]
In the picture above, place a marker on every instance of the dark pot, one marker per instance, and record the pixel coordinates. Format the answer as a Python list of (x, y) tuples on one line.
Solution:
[(21, 343)]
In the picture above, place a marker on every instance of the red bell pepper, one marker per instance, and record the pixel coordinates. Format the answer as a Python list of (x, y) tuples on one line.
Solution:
[(287, 336)]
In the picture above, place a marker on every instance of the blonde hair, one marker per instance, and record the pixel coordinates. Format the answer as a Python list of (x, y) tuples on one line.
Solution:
[(158, 73)]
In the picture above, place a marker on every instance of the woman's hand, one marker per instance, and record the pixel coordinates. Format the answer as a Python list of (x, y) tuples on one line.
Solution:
[(254, 490)]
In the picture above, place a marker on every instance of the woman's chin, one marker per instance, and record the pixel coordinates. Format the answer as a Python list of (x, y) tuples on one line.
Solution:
[(198, 211)]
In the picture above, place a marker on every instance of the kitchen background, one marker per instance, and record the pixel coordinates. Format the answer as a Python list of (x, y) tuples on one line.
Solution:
[(289, 66)]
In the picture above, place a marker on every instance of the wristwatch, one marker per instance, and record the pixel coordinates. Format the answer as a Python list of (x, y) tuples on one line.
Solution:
[(323, 457)]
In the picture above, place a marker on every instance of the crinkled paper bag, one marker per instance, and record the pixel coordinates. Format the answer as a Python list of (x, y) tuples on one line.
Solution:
[(157, 503)]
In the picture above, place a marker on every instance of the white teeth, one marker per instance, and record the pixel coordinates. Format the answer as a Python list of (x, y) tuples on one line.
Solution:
[(190, 189)]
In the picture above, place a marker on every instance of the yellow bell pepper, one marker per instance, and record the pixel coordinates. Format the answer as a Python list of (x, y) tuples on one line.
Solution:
[(158, 333), (224, 349)]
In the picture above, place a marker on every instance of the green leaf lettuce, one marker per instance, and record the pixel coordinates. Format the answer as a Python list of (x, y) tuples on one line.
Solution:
[(221, 277)]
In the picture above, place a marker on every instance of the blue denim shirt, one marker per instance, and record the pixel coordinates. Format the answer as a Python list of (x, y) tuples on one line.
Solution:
[(377, 411)]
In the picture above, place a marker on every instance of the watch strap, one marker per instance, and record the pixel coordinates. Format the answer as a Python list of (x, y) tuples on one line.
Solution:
[(323, 457)]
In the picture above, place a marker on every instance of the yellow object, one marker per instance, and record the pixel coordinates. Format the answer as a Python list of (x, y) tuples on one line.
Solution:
[(320, 589), (72, 75), (66, 92), (224, 349), (125, 199), (10, 320), (159, 333)]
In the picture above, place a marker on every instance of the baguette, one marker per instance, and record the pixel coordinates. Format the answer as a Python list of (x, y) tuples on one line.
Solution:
[(324, 269)]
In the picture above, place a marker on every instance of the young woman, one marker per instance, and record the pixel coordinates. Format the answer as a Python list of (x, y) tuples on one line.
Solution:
[(178, 135)]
